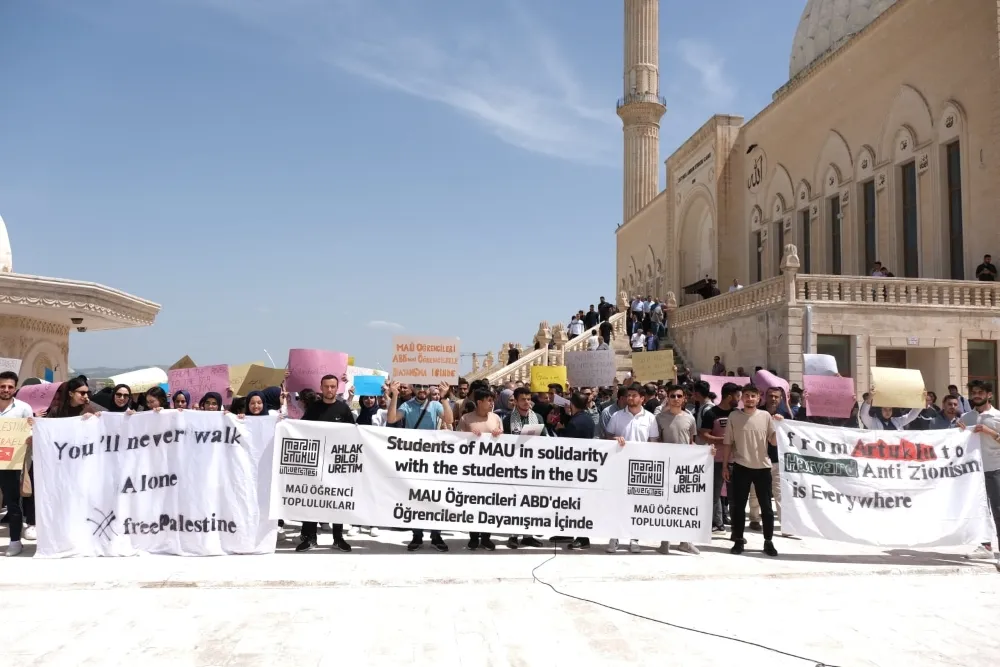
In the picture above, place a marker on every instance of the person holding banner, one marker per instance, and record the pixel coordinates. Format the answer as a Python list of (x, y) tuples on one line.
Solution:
[(985, 420), (883, 420), (633, 424), (421, 413), (676, 425), (10, 480), (748, 433), (327, 409), (481, 421)]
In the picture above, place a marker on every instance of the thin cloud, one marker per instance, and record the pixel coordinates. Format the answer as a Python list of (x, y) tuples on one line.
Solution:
[(708, 63), (512, 78), (383, 324)]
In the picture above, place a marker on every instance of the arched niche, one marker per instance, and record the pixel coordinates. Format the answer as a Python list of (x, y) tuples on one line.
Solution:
[(780, 193), (835, 153), (697, 240), (909, 110)]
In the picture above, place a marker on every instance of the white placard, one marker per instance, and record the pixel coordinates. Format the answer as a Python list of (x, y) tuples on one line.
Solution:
[(189, 483), (13, 365), (445, 480), (819, 364), (591, 368), (885, 488)]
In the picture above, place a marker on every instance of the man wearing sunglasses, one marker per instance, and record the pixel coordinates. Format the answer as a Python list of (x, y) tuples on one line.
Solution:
[(676, 425)]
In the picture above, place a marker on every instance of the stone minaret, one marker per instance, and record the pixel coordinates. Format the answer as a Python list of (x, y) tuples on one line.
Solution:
[(641, 108)]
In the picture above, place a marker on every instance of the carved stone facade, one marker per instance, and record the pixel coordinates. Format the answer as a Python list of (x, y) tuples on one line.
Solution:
[(38, 344)]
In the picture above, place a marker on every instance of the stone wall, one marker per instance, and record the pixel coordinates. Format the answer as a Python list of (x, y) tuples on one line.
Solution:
[(38, 344), (747, 341), (641, 244)]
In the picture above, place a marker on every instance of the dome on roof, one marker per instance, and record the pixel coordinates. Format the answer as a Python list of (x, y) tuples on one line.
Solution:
[(826, 24), (6, 258)]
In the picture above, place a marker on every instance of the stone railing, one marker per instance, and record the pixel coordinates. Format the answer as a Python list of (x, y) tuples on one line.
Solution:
[(520, 370), (757, 297), (897, 292)]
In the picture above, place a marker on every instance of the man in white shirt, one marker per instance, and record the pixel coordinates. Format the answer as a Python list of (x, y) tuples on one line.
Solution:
[(638, 341), (593, 342), (633, 424), (985, 420), (10, 480), (735, 286), (575, 327)]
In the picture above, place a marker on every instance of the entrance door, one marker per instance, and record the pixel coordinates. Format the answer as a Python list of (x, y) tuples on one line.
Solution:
[(890, 358)]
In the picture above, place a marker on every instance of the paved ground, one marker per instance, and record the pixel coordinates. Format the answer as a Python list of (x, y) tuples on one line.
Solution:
[(833, 603)]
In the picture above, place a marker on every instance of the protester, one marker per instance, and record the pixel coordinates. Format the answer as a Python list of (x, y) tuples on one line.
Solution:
[(481, 421), (10, 480), (985, 419), (676, 425)]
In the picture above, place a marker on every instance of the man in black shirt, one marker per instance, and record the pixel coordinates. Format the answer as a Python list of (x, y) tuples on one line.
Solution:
[(591, 319), (986, 271), (328, 409), (711, 429)]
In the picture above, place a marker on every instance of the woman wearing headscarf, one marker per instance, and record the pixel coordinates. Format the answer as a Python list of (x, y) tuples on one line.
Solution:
[(256, 405), (272, 399), (369, 408), (505, 403), (72, 399), (181, 400), (121, 399), (211, 401)]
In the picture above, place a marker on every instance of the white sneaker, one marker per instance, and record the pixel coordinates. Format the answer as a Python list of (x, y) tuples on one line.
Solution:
[(374, 531), (351, 531), (633, 546), (281, 531), (612, 547), (14, 548), (688, 548), (664, 548), (980, 553), (29, 533)]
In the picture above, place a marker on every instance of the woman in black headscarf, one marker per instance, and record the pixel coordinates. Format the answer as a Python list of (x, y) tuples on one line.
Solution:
[(72, 399), (121, 398), (369, 406), (256, 405), (181, 400), (211, 401)]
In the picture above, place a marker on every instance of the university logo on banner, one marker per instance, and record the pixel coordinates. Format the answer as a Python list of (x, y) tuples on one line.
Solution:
[(400, 478), (190, 483), (884, 488)]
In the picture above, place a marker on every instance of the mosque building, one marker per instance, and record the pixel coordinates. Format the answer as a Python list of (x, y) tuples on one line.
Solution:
[(37, 315), (883, 146)]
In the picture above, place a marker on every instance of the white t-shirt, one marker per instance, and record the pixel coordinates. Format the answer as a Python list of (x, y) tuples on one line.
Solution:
[(576, 327), (17, 410), (592, 343), (733, 288), (638, 340), (634, 428), (991, 448)]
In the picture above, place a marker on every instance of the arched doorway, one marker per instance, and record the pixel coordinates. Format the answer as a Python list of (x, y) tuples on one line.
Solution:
[(697, 244)]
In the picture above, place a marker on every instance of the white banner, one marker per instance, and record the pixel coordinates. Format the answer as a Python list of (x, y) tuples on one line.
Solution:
[(885, 488), (189, 483), (591, 368), (403, 478)]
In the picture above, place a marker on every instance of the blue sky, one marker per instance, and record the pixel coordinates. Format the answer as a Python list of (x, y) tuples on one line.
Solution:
[(326, 173)]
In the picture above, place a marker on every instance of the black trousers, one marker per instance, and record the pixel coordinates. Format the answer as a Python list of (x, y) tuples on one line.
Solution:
[(742, 479), (309, 530), (435, 535), (10, 486), (480, 536)]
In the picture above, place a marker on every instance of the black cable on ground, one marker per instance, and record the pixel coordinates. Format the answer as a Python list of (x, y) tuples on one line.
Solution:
[(555, 552)]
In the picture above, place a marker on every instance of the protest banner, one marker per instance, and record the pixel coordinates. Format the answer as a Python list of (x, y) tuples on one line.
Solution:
[(369, 385), (353, 373), (425, 359), (653, 366), (765, 380), (306, 368), (238, 374), (715, 383), (543, 376), (38, 396), (13, 365), (401, 478), (819, 364), (897, 388), (13, 443), (828, 396), (884, 488), (189, 483), (200, 380), (591, 368), (140, 380)]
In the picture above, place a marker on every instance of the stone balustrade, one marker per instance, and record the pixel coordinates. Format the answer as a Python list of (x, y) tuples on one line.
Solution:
[(897, 292), (520, 370), (757, 297)]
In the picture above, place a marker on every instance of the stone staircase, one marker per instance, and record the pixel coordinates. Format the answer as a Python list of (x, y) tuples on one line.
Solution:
[(496, 372)]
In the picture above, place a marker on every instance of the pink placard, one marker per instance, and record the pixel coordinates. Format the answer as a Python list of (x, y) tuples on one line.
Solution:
[(828, 396), (38, 396), (199, 381), (715, 383), (307, 367), (765, 380)]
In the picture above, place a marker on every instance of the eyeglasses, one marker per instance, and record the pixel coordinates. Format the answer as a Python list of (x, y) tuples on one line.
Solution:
[(82, 392), (123, 395)]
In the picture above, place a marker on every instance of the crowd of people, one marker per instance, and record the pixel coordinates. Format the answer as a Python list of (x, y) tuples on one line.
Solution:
[(737, 423)]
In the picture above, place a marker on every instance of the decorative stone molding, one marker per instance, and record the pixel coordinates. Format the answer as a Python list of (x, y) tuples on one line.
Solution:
[(814, 212), (923, 163), (35, 326), (880, 180), (81, 297), (845, 198)]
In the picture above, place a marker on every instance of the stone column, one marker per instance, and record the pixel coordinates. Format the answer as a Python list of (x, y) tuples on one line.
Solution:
[(794, 331)]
